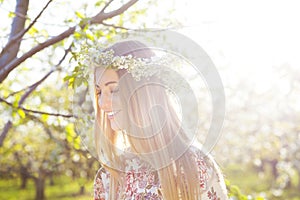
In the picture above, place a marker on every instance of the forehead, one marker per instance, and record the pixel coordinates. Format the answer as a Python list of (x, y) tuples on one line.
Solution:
[(103, 76)]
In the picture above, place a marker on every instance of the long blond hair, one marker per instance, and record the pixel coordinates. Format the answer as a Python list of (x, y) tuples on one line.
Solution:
[(148, 133)]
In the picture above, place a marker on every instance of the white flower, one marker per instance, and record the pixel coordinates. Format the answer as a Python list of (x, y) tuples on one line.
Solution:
[(137, 67)]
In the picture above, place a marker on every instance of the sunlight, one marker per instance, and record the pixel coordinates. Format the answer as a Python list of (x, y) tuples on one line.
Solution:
[(253, 37)]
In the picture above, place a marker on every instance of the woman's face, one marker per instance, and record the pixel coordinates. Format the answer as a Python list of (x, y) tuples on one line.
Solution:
[(107, 90)]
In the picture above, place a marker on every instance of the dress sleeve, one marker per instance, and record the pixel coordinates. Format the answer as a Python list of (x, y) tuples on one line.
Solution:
[(211, 180), (101, 185), (216, 189)]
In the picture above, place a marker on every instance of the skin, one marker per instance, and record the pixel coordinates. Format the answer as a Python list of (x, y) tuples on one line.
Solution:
[(107, 81)]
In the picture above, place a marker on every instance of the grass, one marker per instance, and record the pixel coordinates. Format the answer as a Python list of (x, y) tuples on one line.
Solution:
[(64, 188), (251, 183)]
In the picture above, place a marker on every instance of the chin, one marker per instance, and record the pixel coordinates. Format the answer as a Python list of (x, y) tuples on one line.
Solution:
[(115, 127)]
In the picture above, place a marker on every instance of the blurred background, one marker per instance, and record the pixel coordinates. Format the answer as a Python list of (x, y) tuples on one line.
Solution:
[(255, 46)]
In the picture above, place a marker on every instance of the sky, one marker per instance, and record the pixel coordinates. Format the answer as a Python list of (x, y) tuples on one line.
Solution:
[(254, 39), (266, 29)]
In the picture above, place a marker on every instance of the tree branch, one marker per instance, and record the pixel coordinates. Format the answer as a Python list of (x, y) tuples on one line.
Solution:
[(36, 111), (17, 38), (42, 79), (35, 85), (97, 19), (106, 5), (117, 27), (18, 91), (7, 126), (14, 63), (47, 113)]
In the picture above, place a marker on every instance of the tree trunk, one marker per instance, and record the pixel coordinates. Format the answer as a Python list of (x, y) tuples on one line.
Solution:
[(51, 179), (40, 188), (274, 168), (6, 128), (23, 182), (10, 52), (24, 177), (81, 192)]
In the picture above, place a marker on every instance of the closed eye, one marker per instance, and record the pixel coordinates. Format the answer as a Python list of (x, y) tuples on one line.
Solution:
[(115, 90), (112, 91)]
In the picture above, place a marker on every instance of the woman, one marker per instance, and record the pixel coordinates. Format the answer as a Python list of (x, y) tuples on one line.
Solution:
[(143, 148)]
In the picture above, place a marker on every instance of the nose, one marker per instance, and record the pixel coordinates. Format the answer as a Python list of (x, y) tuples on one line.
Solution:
[(105, 101)]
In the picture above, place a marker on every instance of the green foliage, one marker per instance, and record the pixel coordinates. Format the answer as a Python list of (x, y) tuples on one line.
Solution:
[(235, 192), (43, 144), (10, 14), (72, 137), (78, 77), (100, 3), (80, 15), (33, 31), (21, 113)]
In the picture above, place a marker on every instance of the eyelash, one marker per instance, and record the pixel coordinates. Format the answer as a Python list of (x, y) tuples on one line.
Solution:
[(113, 91)]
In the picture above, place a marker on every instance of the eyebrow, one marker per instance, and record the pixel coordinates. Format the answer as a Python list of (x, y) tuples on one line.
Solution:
[(107, 83)]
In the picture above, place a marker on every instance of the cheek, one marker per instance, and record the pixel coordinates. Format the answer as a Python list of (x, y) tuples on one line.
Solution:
[(116, 103), (122, 117), (99, 102)]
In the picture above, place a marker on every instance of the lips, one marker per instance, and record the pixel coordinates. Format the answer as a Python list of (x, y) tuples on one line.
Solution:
[(111, 114)]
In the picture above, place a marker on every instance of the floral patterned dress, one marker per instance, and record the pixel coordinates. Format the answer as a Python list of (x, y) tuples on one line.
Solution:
[(142, 183)]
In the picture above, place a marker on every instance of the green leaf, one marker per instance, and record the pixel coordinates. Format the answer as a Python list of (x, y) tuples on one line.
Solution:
[(78, 81), (11, 14), (70, 133), (76, 69), (69, 20), (45, 117), (77, 142), (18, 147), (80, 15), (71, 82), (77, 35), (16, 100), (32, 31), (21, 113), (5, 93), (85, 82), (90, 36), (99, 3), (66, 78)]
